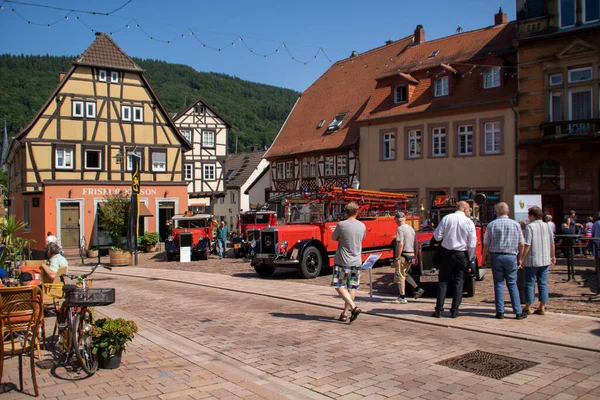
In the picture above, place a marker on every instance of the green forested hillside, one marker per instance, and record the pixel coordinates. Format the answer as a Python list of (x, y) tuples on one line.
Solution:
[(255, 111)]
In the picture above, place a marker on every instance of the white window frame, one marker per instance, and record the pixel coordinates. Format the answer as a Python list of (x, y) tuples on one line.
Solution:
[(126, 113), (130, 159), (209, 172), (232, 197), (441, 86), (415, 143), (329, 165), (585, 20), (400, 101), (578, 90), (552, 94), (341, 168), (289, 170), (439, 141), (465, 133), (156, 166), (140, 117), (74, 113), (188, 172), (560, 24), (64, 150), (279, 167), (489, 128), (212, 135), (494, 76), (90, 109), (312, 168), (388, 138), (26, 215), (99, 168), (114, 77), (187, 134), (102, 75), (577, 70), (554, 76)]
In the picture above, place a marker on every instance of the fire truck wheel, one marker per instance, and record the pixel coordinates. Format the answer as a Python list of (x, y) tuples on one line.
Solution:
[(170, 257), (311, 263), (264, 270), (236, 253), (470, 286)]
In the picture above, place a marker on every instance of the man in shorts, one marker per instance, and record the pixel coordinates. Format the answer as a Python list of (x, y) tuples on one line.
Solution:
[(407, 251), (346, 270)]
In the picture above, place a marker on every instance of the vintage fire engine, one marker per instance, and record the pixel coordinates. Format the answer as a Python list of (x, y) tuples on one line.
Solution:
[(305, 241), (249, 224), (190, 229)]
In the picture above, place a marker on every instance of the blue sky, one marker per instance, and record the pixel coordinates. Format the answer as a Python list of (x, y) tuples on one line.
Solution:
[(336, 26)]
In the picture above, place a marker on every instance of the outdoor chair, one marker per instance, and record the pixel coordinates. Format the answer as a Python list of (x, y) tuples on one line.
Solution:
[(53, 294), (25, 293)]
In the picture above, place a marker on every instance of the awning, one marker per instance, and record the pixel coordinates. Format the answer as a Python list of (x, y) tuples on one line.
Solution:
[(144, 211)]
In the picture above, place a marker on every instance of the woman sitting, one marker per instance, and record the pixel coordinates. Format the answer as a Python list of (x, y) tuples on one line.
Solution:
[(55, 261)]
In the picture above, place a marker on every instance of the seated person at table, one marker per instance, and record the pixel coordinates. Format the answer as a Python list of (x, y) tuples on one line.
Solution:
[(56, 260)]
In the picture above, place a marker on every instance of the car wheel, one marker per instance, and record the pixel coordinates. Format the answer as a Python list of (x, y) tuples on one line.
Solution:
[(311, 263), (264, 270), (469, 286)]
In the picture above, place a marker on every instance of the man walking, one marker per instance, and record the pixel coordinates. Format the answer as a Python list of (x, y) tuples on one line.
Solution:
[(456, 232), (504, 241), (222, 232), (406, 255), (346, 270)]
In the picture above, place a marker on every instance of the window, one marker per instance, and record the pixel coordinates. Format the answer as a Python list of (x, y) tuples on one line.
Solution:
[(93, 159), (126, 113), (130, 157), (337, 122), (309, 168), (414, 143), (159, 161), (208, 138), (491, 78), (465, 140), (441, 86), (342, 165), (548, 175), (209, 172), (26, 215), (289, 170), (556, 106), (187, 134), (78, 109), (102, 75), (591, 11), (199, 109), (313, 168), (188, 172), (492, 137), (138, 114), (279, 170), (114, 77), (400, 94), (388, 143), (90, 110), (580, 74), (222, 200), (567, 13), (438, 142), (232, 197), (555, 79), (329, 166), (580, 103), (63, 158)]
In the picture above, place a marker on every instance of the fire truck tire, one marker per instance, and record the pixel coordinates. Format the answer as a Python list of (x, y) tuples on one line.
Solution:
[(264, 270), (470, 286), (312, 263), (236, 253), (170, 257)]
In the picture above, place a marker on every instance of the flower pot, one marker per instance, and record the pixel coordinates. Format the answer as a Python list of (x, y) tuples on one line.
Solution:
[(151, 249), (110, 362), (92, 254), (120, 257)]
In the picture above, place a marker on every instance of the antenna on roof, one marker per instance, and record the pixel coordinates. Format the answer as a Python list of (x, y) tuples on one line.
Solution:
[(459, 29)]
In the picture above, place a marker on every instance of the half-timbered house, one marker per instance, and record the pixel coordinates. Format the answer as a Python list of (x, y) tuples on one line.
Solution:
[(203, 167), (79, 149)]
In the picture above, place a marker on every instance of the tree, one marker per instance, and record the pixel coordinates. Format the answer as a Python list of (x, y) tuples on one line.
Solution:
[(114, 216)]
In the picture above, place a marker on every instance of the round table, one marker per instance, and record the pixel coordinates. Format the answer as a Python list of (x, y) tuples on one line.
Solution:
[(569, 241)]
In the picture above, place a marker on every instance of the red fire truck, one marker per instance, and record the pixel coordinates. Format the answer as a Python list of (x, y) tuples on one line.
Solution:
[(193, 230), (249, 224)]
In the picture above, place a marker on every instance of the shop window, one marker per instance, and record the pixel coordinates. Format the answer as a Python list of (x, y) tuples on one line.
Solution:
[(548, 175)]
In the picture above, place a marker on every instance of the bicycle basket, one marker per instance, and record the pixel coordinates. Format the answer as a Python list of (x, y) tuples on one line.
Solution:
[(90, 297)]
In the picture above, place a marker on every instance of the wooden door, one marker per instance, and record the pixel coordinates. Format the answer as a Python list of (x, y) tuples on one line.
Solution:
[(69, 225)]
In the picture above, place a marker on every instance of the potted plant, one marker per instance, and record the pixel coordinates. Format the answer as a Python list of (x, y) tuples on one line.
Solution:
[(114, 216), (92, 252), (150, 241), (110, 338)]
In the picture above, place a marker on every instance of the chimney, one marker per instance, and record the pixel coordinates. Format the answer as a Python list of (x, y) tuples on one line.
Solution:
[(501, 18), (419, 34), (252, 148), (61, 76)]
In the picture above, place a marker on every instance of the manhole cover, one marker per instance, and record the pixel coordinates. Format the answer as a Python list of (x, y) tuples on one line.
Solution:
[(487, 364)]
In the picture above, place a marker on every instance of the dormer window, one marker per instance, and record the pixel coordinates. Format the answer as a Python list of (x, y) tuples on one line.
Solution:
[(441, 87), (337, 122), (491, 78), (102, 75), (400, 94), (320, 124)]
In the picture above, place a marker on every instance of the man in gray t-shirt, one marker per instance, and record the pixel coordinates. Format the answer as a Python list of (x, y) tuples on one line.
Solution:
[(346, 270)]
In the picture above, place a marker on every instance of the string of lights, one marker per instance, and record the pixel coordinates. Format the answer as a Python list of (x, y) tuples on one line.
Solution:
[(68, 9)]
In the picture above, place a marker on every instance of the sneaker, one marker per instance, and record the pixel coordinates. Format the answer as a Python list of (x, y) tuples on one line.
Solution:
[(419, 293), (400, 300), (522, 315)]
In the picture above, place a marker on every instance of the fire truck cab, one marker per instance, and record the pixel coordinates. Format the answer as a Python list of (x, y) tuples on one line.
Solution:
[(193, 229), (249, 224)]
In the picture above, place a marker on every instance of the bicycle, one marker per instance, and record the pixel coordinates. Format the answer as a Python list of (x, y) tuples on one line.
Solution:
[(75, 320), (82, 249)]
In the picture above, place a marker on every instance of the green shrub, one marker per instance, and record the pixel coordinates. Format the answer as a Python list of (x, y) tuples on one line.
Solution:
[(111, 335), (150, 239)]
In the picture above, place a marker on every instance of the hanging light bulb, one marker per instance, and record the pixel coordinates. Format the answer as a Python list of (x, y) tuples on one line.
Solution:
[(127, 26), (28, 22), (169, 43), (67, 17)]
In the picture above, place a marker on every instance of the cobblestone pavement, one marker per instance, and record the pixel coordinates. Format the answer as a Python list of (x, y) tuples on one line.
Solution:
[(204, 342), (565, 297)]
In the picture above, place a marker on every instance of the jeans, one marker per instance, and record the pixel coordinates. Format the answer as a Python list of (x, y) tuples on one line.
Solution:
[(504, 267), (220, 246), (533, 274), (452, 270)]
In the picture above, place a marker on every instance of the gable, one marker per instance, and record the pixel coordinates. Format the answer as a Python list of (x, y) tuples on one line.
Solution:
[(576, 48)]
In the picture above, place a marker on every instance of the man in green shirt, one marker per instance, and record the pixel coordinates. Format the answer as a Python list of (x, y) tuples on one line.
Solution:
[(222, 232), (56, 260)]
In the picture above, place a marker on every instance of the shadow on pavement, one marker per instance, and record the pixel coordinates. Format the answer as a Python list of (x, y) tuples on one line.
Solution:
[(306, 317), (464, 312)]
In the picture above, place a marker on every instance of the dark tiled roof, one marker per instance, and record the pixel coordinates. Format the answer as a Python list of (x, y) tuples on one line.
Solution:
[(104, 52), (240, 166)]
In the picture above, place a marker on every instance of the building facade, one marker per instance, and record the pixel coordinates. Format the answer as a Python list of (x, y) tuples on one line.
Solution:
[(559, 110), (79, 150), (203, 167)]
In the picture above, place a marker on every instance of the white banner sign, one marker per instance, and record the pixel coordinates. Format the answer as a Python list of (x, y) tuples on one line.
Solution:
[(523, 202)]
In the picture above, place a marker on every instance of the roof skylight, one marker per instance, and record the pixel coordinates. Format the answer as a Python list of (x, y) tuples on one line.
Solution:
[(434, 53), (320, 124), (337, 122)]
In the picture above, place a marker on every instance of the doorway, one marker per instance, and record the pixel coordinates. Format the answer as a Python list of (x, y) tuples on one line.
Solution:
[(166, 210), (69, 225)]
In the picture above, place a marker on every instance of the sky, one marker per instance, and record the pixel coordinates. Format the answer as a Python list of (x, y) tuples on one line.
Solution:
[(300, 39)]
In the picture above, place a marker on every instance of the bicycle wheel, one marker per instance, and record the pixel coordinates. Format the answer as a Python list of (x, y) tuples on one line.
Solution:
[(64, 340), (82, 341)]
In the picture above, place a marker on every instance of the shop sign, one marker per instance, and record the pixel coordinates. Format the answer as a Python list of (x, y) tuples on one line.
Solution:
[(92, 191)]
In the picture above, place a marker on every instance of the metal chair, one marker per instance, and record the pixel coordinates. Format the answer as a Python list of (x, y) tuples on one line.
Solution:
[(19, 324)]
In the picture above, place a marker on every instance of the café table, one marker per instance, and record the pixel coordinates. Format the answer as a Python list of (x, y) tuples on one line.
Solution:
[(569, 240), (596, 244)]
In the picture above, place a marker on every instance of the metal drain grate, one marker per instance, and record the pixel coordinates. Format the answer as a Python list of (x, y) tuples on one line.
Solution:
[(487, 364)]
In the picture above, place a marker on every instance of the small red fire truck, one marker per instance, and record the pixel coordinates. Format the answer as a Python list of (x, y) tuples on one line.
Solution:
[(193, 230), (249, 224)]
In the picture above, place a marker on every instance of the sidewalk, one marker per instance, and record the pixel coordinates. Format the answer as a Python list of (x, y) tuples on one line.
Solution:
[(557, 329)]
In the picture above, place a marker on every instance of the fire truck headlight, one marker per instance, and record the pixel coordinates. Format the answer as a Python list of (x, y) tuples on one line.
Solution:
[(253, 244), (284, 244)]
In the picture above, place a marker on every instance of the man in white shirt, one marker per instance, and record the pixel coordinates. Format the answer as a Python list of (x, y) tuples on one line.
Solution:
[(456, 232)]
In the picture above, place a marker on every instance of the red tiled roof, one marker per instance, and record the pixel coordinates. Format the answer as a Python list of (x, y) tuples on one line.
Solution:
[(344, 88), (104, 52), (490, 46)]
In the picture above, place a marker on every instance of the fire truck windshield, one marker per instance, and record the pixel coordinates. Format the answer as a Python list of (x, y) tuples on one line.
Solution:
[(307, 213), (248, 219)]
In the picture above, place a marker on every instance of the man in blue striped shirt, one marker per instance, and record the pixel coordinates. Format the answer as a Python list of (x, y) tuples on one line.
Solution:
[(504, 241)]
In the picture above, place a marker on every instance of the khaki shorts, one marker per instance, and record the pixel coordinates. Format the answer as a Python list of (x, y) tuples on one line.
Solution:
[(401, 268)]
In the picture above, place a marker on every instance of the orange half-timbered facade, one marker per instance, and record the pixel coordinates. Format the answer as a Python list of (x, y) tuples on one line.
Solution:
[(79, 150), (203, 167)]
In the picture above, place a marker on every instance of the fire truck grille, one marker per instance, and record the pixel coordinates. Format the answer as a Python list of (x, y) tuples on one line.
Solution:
[(253, 234), (268, 242), (487, 364)]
